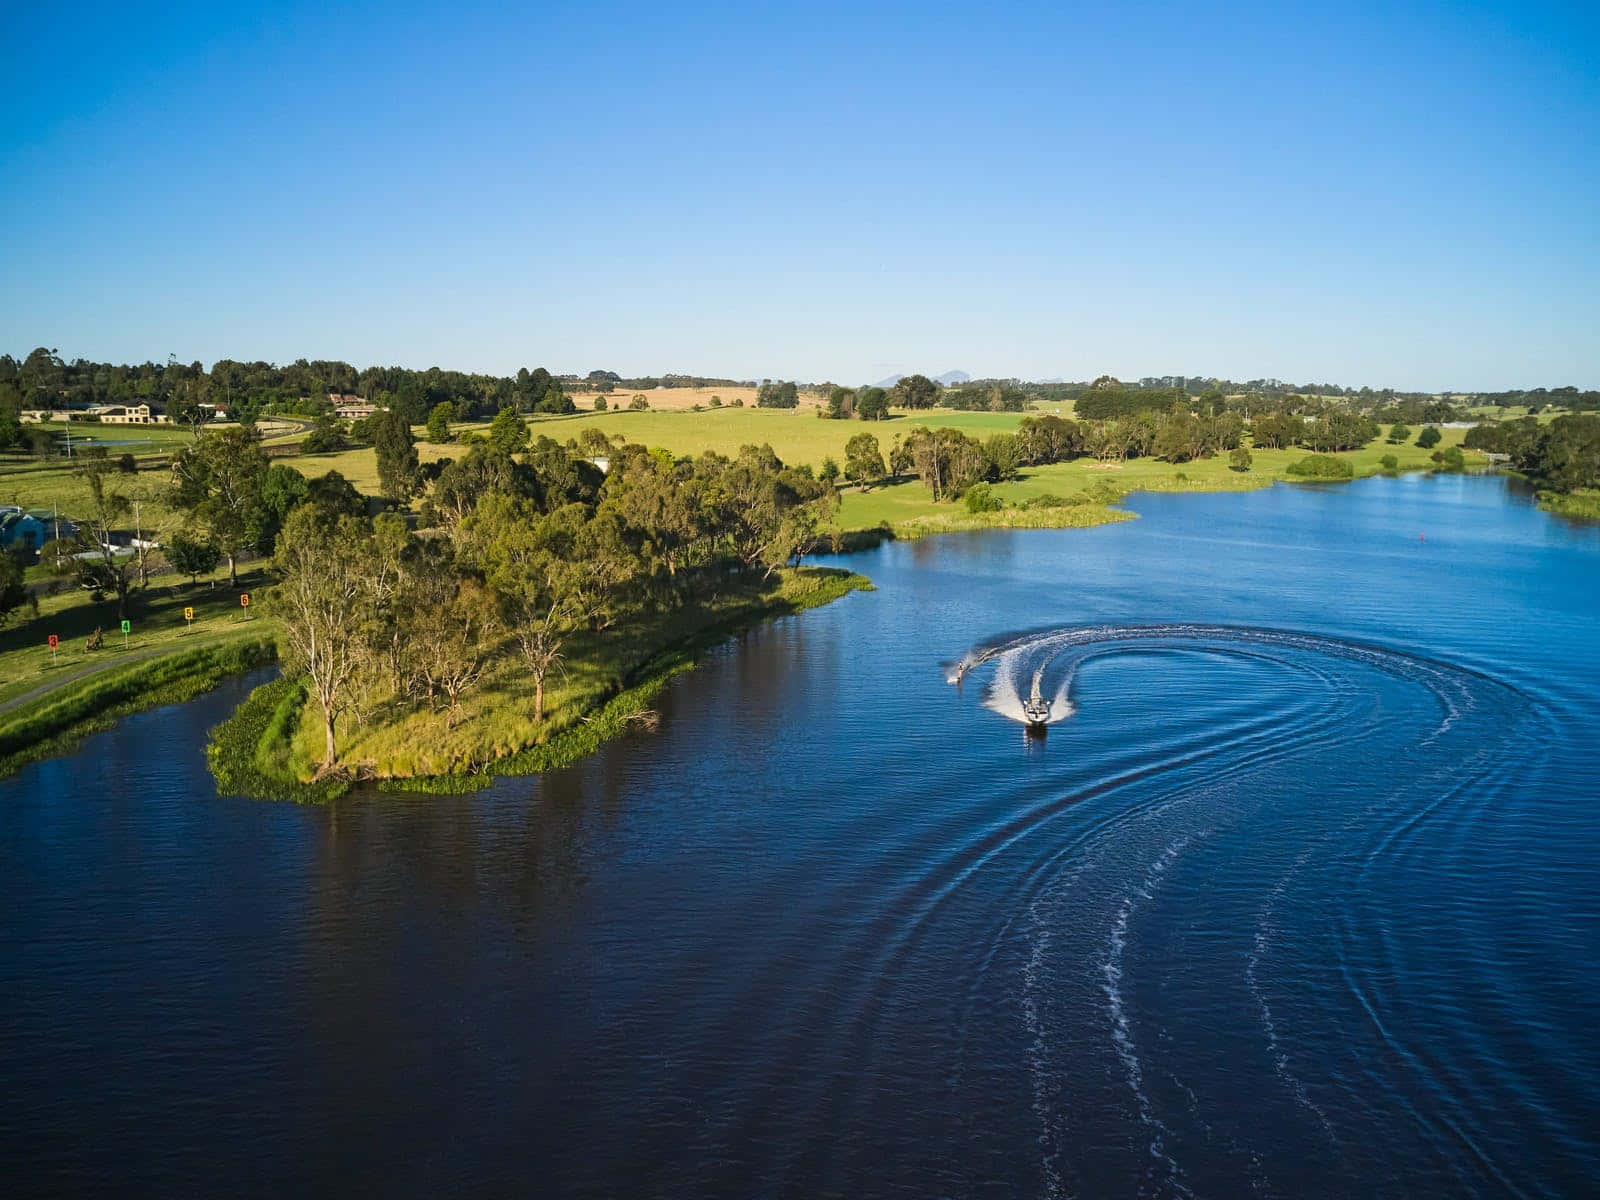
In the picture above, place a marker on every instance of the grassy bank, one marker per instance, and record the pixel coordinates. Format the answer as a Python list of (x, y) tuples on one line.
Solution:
[(1581, 505), (59, 721), (1088, 488), (247, 752), (270, 746)]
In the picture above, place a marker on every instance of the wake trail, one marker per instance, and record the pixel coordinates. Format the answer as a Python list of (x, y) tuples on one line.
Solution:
[(1121, 1032)]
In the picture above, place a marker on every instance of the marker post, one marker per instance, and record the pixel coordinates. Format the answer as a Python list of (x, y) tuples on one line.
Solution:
[(244, 603), (188, 620), (127, 628), (54, 642)]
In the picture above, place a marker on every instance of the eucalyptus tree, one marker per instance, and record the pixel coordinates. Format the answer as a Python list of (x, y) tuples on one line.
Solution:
[(218, 480), (777, 395), (439, 422), (451, 627), (193, 557), (538, 567), (915, 391), (863, 460), (947, 460), (508, 431), (398, 472), (322, 602), (463, 483), (872, 404), (87, 553), (14, 594)]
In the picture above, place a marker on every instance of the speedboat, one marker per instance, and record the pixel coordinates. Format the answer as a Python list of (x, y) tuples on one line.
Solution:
[(1037, 710)]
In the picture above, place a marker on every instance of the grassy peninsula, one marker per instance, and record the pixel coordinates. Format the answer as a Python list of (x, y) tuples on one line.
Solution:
[(273, 745)]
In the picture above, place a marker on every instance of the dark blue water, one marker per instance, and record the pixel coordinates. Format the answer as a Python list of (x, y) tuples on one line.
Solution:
[(1303, 898)]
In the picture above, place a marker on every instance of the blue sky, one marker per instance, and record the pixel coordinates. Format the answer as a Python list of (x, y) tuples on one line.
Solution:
[(1383, 194)]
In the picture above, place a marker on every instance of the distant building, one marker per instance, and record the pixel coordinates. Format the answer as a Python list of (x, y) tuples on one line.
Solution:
[(351, 407), (28, 530), (124, 414), (106, 414)]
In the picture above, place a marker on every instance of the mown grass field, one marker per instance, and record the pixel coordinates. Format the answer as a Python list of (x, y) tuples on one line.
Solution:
[(674, 399), (797, 435), (58, 487)]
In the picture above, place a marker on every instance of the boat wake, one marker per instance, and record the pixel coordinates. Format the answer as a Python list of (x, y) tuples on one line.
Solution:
[(1285, 930), (1033, 673)]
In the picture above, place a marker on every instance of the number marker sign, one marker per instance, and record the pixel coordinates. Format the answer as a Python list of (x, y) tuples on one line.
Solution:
[(244, 599), (54, 642)]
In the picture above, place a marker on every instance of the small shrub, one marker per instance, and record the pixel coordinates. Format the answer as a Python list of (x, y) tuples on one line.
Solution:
[(980, 498), (1390, 462), (600, 404), (1051, 500), (1322, 466), (128, 465), (1429, 437), (716, 402), (1239, 459), (736, 402)]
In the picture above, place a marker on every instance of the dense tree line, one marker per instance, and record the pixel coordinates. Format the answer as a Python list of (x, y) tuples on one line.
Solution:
[(1562, 456), (249, 390), (867, 404), (609, 381), (777, 395), (255, 389), (1537, 398), (951, 462)]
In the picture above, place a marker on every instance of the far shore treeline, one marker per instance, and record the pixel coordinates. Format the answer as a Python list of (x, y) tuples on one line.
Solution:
[(250, 390)]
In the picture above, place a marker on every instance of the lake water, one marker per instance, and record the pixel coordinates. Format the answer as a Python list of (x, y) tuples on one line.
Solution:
[(1302, 899)]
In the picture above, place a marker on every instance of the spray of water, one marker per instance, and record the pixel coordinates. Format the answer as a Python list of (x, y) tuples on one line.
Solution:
[(1019, 690)]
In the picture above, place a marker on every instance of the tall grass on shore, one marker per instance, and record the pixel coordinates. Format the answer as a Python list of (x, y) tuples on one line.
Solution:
[(250, 753)]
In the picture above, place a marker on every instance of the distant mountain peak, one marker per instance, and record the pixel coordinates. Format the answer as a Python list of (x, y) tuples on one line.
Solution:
[(948, 378)]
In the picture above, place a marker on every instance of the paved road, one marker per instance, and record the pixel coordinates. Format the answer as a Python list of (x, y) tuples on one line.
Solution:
[(44, 689)]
